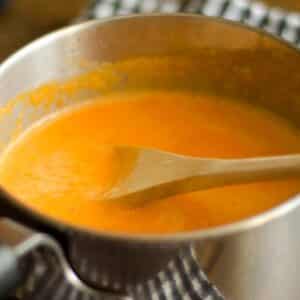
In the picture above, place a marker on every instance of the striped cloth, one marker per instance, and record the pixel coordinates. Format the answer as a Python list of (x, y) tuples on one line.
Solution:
[(273, 20), (183, 279)]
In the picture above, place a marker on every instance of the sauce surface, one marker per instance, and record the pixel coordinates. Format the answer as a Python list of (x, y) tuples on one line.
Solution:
[(59, 166)]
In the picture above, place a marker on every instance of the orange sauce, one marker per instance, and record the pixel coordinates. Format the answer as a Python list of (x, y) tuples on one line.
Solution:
[(59, 167)]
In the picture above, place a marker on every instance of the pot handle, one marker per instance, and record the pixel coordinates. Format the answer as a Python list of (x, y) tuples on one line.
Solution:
[(16, 241), (10, 275)]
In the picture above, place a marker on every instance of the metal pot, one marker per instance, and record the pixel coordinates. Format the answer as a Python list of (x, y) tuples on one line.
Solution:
[(257, 258)]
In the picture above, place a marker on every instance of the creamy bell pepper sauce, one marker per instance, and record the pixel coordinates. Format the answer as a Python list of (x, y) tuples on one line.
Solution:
[(60, 168)]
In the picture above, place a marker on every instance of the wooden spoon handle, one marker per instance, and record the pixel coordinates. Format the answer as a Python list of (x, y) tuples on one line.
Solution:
[(236, 171), (259, 169), (161, 174)]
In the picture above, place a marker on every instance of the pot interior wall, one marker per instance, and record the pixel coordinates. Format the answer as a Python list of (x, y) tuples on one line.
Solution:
[(174, 52)]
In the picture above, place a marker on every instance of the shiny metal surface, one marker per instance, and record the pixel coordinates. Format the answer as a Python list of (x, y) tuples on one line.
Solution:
[(254, 259), (24, 241)]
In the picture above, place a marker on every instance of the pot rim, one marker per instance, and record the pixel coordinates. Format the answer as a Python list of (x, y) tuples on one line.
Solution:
[(183, 237)]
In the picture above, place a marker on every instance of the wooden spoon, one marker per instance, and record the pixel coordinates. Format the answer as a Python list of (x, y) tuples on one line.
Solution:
[(156, 174)]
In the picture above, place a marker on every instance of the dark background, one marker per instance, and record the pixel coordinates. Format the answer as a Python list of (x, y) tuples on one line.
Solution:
[(24, 20)]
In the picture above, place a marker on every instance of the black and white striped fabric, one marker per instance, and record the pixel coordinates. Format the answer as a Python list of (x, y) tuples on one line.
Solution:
[(274, 20), (183, 279)]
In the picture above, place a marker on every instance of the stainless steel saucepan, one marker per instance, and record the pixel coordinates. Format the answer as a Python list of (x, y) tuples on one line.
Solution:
[(257, 258)]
